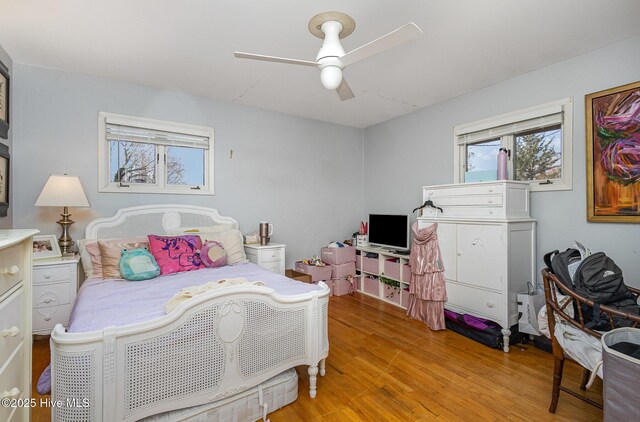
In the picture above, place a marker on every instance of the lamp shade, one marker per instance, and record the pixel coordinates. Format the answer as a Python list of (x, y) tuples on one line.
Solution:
[(62, 191)]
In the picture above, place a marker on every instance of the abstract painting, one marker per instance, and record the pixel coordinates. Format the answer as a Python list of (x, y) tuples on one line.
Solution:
[(613, 154)]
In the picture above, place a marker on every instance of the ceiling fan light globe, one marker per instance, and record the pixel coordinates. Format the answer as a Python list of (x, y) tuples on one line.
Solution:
[(331, 77)]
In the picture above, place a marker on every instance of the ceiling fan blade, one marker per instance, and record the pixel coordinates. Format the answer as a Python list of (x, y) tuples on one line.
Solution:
[(401, 35), (242, 55), (344, 91)]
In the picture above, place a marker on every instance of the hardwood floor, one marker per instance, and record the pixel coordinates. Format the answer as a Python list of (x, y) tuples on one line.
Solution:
[(384, 366)]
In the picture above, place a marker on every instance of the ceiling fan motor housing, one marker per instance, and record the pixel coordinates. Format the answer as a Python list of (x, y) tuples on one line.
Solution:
[(328, 57)]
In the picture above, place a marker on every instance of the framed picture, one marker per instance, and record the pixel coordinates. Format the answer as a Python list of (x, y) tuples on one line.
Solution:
[(4, 180), (46, 247), (613, 154), (4, 101)]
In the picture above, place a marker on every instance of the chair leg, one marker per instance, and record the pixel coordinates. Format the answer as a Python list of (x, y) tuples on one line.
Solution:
[(557, 380), (585, 379)]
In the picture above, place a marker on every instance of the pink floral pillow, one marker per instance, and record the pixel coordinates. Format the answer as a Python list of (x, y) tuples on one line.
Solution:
[(176, 254)]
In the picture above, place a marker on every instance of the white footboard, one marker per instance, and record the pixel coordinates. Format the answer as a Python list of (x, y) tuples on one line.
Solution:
[(209, 348)]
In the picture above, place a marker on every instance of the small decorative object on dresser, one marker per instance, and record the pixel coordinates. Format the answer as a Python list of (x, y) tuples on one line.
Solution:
[(15, 322), (55, 283), (4, 180), (45, 247), (4, 101), (270, 257)]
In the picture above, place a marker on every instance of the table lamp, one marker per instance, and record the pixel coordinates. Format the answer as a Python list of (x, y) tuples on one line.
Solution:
[(63, 191)]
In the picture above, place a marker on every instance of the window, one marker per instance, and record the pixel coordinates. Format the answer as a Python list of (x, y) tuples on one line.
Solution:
[(538, 141), (151, 156)]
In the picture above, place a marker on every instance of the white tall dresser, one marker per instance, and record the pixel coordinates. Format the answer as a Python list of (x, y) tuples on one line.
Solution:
[(488, 242), (15, 323)]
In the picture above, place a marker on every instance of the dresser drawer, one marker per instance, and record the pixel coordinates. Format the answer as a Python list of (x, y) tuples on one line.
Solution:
[(50, 295), (13, 377), (11, 324), (476, 301), (463, 211), (270, 255), (470, 200), (44, 319), (51, 274), (11, 267), (432, 192)]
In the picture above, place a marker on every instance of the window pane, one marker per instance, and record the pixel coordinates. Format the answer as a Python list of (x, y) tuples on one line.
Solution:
[(483, 156), (185, 166), (538, 154), (132, 162)]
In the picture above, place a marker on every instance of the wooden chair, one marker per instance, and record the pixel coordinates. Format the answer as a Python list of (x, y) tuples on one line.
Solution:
[(551, 285)]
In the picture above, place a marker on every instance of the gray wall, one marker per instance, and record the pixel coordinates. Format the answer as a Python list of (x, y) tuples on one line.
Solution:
[(417, 149), (7, 222), (302, 175)]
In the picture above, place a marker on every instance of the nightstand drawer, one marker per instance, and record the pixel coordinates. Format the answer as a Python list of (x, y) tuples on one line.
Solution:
[(13, 378), (51, 295), (51, 274), (270, 255), (11, 271), (11, 324), (44, 319)]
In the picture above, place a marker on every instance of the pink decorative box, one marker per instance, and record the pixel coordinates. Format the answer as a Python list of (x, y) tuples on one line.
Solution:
[(316, 273), (406, 273), (370, 285), (343, 270), (370, 265), (404, 300), (337, 256), (392, 294), (340, 287), (392, 270)]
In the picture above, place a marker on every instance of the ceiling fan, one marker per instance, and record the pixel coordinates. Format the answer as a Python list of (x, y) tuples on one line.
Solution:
[(331, 59)]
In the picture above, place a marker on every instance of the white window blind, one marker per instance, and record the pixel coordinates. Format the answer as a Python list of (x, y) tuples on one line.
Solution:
[(122, 133), (510, 128)]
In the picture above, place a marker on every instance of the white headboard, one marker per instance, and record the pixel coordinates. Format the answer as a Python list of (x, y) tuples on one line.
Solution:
[(154, 219)]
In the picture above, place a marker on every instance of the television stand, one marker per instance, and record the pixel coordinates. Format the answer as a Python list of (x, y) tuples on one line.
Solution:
[(394, 267)]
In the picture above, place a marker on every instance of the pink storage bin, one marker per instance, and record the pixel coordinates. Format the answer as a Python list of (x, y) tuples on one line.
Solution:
[(392, 270), (337, 256), (404, 299), (340, 287), (370, 285), (316, 273), (406, 273), (329, 284), (343, 270), (370, 265), (389, 291)]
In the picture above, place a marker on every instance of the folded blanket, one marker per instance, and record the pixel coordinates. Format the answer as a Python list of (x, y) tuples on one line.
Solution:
[(193, 291)]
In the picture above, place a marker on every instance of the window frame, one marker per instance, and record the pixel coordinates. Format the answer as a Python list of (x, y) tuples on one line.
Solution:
[(563, 106), (105, 184)]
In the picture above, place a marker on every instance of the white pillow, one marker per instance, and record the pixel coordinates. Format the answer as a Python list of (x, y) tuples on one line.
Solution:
[(232, 242)]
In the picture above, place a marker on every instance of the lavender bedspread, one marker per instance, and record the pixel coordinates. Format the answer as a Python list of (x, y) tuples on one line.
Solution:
[(107, 303)]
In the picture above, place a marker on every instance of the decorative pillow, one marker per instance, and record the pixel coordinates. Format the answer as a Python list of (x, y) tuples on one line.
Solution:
[(110, 254), (232, 241), (176, 253), (138, 264), (213, 255), (90, 254)]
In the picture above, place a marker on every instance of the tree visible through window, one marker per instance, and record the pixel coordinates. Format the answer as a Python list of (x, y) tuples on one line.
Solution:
[(538, 154)]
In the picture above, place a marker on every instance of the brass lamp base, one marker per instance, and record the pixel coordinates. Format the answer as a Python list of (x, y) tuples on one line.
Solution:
[(65, 242)]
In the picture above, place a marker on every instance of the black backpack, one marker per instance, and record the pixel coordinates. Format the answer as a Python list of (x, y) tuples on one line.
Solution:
[(596, 278)]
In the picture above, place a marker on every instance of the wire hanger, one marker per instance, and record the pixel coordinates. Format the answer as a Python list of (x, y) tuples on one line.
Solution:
[(428, 203)]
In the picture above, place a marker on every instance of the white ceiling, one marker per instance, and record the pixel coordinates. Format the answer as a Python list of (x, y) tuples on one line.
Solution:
[(188, 46)]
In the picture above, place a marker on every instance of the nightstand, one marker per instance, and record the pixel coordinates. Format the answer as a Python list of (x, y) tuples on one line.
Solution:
[(270, 257), (55, 283)]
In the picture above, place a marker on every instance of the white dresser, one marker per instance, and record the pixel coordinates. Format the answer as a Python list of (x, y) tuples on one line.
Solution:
[(487, 240), (55, 283), (15, 321), (270, 257)]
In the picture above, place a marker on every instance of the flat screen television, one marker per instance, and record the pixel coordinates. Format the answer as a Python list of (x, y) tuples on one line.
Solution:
[(389, 230)]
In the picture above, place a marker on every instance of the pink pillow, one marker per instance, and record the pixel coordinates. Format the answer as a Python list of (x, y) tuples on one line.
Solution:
[(176, 253), (213, 254)]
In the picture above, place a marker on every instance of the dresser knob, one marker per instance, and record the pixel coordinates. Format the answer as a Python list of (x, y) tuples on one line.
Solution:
[(47, 300), (47, 275), (490, 211), (459, 253), (47, 318), (7, 394), (490, 304), (12, 270), (490, 189), (10, 332), (490, 201)]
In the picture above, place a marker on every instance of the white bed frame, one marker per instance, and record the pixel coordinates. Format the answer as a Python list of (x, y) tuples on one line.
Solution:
[(211, 347)]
